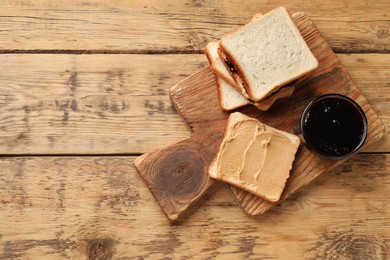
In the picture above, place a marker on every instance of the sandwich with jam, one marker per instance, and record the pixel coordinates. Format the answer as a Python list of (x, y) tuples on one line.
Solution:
[(260, 62)]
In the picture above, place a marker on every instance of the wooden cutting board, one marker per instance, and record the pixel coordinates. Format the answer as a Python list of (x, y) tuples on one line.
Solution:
[(177, 175)]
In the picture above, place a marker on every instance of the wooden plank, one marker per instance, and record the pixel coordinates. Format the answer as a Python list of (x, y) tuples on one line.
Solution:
[(176, 26), (94, 104), (89, 104), (84, 207)]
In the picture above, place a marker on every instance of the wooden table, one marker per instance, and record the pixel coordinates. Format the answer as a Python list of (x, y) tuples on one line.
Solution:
[(84, 90)]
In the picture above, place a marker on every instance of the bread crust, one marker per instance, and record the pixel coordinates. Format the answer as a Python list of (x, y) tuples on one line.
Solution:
[(208, 54)]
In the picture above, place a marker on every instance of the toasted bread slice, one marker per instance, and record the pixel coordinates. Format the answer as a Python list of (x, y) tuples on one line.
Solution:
[(255, 157), (268, 53)]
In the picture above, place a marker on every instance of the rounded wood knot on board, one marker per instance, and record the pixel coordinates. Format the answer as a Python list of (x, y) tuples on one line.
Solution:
[(351, 245), (181, 171)]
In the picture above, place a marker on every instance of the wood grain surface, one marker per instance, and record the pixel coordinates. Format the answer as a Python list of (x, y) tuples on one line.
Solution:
[(99, 208), (155, 26), (51, 107), (196, 99), (77, 78)]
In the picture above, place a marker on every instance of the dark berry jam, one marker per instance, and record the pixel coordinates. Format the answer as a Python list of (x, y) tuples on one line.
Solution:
[(230, 65), (334, 126)]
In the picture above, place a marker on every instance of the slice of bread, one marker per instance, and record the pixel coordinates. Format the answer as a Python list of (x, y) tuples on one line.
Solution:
[(255, 157), (268, 53)]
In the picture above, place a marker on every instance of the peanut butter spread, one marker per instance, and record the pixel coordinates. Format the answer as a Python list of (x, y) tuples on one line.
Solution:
[(256, 157)]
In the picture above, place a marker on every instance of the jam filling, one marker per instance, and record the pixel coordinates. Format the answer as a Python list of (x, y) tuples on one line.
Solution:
[(230, 65)]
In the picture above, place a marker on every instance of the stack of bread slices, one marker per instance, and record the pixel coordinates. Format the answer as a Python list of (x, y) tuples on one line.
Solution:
[(261, 62)]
